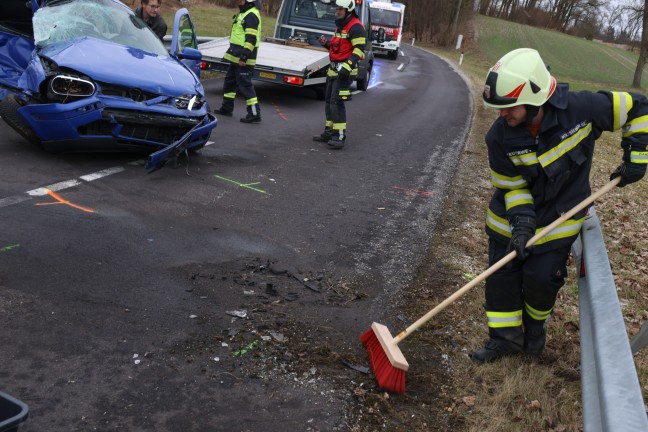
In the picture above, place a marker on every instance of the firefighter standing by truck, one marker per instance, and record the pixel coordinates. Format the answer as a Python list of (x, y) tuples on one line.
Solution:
[(540, 152), (242, 54), (346, 47)]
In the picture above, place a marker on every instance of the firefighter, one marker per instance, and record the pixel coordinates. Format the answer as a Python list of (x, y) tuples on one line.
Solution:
[(540, 153), (346, 47), (242, 54)]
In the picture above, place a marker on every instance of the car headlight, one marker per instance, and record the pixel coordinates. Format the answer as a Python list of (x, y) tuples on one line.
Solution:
[(68, 86), (189, 102)]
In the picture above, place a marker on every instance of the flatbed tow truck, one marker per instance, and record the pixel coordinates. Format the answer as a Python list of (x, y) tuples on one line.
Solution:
[(293, 56)]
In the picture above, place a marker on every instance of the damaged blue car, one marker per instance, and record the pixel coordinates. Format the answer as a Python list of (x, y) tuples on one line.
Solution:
[(89, 75)]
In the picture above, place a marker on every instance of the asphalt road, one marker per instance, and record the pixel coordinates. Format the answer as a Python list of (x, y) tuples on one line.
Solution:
[(118, 292)]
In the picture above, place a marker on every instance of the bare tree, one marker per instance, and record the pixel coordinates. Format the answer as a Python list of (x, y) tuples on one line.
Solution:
[(636, 81)]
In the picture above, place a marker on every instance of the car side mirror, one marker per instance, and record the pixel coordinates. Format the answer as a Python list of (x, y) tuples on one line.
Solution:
[(191, 54)]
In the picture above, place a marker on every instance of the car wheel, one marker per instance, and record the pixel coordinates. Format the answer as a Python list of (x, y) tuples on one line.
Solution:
[(9, 113), (363, 83)]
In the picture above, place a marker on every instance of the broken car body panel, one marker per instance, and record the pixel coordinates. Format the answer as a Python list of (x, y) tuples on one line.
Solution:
[(91, 76)]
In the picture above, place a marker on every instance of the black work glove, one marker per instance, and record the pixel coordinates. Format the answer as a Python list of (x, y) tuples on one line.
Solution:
[(629, 172), (523, 230)]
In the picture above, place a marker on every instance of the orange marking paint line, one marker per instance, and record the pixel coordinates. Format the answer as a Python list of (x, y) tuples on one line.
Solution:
[(414, 191), (281, 114), (60, 200)]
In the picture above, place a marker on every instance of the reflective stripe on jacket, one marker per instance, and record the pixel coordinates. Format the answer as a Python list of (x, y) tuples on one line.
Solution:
[(543, 177)]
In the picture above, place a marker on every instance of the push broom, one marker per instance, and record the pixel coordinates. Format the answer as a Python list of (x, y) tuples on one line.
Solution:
[(388, 362)]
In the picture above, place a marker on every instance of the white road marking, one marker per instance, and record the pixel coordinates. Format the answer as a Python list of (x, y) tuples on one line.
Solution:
[(400, 68), (102, 173), (5, 202), (54, 187)]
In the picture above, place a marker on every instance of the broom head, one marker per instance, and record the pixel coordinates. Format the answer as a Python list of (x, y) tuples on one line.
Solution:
[(387, 361)]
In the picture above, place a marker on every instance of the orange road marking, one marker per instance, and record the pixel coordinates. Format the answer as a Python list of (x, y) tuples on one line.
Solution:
[(414, 191), (60, 200), (281, 114)]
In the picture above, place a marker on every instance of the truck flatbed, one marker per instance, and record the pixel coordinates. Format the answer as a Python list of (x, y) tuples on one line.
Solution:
[(276, 59)]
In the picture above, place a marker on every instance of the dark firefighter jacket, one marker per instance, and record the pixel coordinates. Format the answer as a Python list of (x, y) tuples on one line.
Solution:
[(543, 177), (245, 35)]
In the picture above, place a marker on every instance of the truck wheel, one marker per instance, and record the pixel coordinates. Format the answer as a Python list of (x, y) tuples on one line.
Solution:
[(393, 55), (363, 83), (9, 113)]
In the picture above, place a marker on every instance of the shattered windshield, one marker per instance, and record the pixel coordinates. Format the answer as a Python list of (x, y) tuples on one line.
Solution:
[(102, 19)]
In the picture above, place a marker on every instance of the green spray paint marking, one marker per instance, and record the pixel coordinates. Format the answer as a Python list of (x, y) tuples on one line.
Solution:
[(248, 185), (245, 350), (8, 248), (470, 275)]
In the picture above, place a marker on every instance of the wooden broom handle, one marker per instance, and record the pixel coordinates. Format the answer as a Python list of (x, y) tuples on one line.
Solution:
[(502, 262)]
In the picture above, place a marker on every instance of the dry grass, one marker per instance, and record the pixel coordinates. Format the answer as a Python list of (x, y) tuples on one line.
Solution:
[(520, 393)]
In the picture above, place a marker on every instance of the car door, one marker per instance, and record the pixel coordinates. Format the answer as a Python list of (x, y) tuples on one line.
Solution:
[(16, 43), (184, 44)]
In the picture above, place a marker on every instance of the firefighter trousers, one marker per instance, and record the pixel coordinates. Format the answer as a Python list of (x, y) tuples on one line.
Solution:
[(239, 80), (523, 288), (335, 109)]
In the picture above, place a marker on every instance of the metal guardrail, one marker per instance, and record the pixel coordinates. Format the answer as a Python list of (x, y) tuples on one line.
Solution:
[(640, 340), (612, 399)]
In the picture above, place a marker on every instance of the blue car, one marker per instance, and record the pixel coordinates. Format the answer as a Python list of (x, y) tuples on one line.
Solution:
[(89, 75)]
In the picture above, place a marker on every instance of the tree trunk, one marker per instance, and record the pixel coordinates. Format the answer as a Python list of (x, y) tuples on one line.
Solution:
[(636, 81)]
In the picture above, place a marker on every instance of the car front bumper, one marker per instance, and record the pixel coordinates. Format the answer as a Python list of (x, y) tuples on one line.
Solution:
[(113, 124)]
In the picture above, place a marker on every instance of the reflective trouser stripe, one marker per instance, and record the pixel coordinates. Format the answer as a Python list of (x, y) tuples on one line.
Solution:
[(231, 95), (329, 124), (252, 101), (504, 319), (536, 314), (339, 126)]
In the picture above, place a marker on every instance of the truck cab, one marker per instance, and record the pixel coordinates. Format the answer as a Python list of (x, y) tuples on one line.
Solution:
[(303, 21)]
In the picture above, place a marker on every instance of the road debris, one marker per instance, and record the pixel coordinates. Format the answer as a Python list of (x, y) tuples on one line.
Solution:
[(242, 313)]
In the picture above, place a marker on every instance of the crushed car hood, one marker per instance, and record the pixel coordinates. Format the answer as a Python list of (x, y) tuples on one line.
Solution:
[(134, 68)]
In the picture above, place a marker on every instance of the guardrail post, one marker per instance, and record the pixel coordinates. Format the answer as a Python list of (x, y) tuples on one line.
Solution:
[(640, 340), (612, 399)]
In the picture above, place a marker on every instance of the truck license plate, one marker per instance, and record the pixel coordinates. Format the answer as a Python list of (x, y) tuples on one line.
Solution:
[(268, 75)]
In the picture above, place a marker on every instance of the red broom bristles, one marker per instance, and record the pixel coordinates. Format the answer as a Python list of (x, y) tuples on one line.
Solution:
[(389, 377)]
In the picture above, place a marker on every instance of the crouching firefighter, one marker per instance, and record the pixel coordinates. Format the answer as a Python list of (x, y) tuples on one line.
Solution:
[(242, 54), (346, 48), (540, 152)]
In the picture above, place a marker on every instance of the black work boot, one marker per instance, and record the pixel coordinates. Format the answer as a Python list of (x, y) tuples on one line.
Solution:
[(223, 111), (337, 141), (324, 136), (502, 342), (253, 114), (535, 335)]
